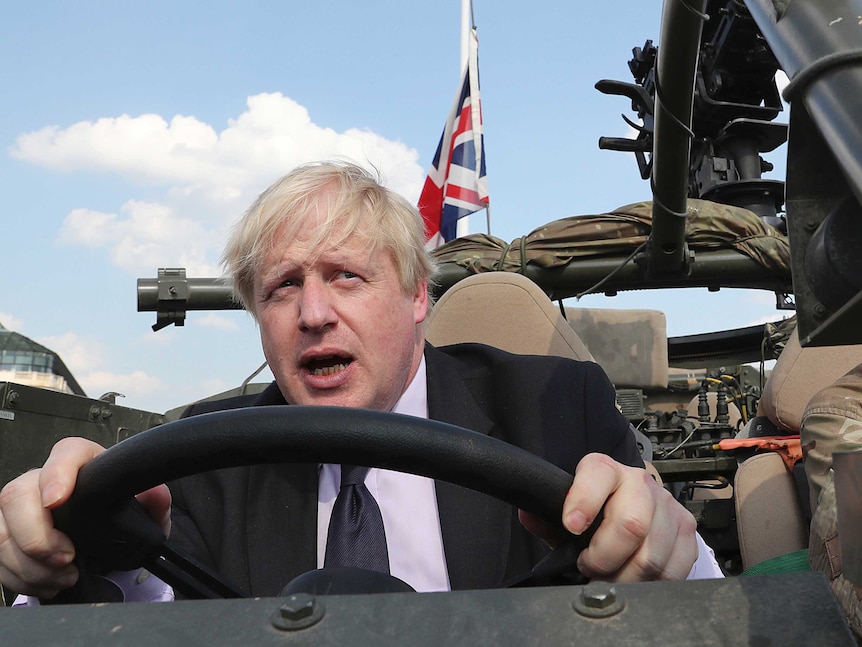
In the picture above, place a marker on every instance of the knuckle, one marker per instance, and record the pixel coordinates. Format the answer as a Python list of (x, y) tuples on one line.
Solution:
[(67, 441), (15, 490), (687, 524), (36, 547), (648, 481), (636, 527), (649, 566), (593, 565), (602, 460)]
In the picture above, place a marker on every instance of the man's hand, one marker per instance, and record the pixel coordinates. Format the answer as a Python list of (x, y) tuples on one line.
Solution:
[(645, 534), (36, 558)]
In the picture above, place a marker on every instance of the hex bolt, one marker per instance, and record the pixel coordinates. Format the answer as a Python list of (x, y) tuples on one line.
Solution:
[(298, 611), (297, 607), (599, 597), (12, 398), (599, 600)]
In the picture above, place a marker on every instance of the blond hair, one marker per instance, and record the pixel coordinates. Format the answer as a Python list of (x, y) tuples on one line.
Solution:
[(342, 200)]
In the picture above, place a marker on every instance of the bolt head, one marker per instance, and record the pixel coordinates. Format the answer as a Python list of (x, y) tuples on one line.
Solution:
[(297, 607), (599, 600), (599, 595), (298, 612)]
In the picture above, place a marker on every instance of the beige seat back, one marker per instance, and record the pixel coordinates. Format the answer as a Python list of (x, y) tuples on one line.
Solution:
[(799, 373), (769, 518), (507, 311), (631, 345)]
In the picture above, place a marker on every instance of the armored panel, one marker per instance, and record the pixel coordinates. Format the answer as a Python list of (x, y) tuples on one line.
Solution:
[(793, 609), (33, 419)]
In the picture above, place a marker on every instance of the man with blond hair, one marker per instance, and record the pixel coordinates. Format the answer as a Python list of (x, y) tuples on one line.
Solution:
[(332, 266)]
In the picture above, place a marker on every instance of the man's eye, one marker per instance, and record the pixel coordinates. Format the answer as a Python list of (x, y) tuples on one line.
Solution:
[(346, 274), (287, 283)]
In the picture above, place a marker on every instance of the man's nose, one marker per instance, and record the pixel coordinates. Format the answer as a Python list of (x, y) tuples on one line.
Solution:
[(316, 309)]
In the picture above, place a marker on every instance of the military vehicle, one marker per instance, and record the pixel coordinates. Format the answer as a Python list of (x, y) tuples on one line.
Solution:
[(707, 106)]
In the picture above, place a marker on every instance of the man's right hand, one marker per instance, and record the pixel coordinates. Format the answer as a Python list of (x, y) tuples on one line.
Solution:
[(36, 558)]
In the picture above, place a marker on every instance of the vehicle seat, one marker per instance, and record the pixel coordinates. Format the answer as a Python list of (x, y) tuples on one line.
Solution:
[(631, 345), (507, 311), (799, 373), (510, 312), (770, 521)]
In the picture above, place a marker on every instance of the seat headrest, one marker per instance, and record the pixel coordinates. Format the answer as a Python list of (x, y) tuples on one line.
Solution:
[(799, 373), (631, 345), (507, 311)]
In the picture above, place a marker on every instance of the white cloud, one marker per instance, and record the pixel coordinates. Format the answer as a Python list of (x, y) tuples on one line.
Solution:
[(81, 355), (146, 148), (11, 322), (144, 236), (86, 359), (273, 135), (208, 177)]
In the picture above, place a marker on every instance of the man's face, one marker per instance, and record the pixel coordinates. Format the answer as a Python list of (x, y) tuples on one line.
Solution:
[(335, 326)]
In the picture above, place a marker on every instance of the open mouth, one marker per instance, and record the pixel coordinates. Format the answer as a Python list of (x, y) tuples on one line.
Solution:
[(323, 366)]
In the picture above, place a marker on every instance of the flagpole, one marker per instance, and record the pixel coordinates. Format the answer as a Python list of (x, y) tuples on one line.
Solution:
[(466, 26), (456, 184), (463, 227)]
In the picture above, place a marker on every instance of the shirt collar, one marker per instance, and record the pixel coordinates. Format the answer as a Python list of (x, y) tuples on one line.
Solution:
[(414, 400)]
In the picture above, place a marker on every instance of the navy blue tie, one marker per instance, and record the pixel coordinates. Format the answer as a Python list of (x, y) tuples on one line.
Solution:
[(356, 537)]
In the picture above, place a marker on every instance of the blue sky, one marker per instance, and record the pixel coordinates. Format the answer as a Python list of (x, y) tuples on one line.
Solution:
[(133, 134)]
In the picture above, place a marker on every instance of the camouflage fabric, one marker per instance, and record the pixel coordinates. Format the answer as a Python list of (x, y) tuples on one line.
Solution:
[(775, 336), (777, 333), (709, 226), (832, 419), (824, 554)]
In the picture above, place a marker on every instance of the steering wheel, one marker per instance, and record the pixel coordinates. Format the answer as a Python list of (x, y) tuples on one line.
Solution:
[(109, 529)]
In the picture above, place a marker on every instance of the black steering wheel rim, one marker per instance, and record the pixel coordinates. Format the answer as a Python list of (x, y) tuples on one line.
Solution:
[(315, 434)]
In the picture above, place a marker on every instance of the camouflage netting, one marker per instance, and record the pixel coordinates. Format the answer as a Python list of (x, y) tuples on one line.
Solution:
[(709, 226)]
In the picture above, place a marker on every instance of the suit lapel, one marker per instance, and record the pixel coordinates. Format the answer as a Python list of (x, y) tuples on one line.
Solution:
[(282, 507), (476, 528)]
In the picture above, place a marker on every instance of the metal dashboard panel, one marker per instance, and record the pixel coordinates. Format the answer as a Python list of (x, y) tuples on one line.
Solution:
[(796, 609)]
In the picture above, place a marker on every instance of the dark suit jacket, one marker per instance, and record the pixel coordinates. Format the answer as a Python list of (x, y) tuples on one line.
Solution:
[(257, 525)]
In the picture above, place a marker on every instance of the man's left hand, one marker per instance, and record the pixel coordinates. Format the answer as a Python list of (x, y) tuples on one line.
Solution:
[(644, 534)]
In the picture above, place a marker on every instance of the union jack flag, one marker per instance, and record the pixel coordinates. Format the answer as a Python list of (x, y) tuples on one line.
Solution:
[(456, 185)]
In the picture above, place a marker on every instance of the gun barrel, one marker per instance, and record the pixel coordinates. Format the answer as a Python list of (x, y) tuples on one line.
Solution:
[(172, 294), (202, 294)]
